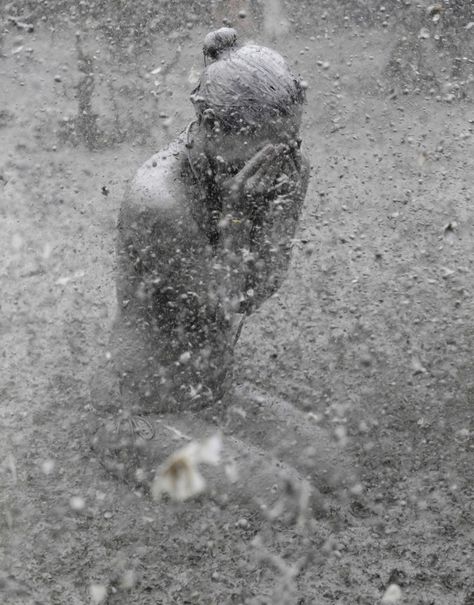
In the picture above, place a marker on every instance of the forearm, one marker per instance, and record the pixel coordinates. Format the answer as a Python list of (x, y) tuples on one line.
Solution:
[(271, 242), (172, 340)]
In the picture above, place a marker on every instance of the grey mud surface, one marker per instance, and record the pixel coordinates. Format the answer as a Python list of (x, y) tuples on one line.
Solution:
[(372, 334)]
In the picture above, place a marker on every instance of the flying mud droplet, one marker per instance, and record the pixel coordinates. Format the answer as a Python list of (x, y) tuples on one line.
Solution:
[(392, 595), (232, 472), (62, 281), (275, 22), (128, 579), (77, 503), (417, 366), (434, 9), (315, 417), (98, 593), (17, 242), (463, 435), (242, 523), (47, 251), (10, 465), (446, 272), (450, 232), (357, 489), (47, 467), (194, 76), (185, 357), (340, 432)]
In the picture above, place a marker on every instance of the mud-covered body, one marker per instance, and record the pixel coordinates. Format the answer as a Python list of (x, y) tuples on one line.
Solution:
[(182, 281)]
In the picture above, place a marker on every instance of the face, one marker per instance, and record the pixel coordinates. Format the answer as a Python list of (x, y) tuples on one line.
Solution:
[(232, 150)]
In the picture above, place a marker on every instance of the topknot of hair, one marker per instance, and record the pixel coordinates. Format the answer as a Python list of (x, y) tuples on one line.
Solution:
[(218, 42)]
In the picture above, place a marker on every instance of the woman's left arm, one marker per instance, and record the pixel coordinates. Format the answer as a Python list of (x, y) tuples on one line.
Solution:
[(271, 238)]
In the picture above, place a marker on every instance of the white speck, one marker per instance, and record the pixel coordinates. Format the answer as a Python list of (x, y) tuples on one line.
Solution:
[(77, 503), (62, 281), (341, 435), (392, 595), (357, 489), (194, 76), (242, 523), (17, 241), (185, 357), (98, 593), (232, 472), (47, 250), (128, 579), (48, 466)]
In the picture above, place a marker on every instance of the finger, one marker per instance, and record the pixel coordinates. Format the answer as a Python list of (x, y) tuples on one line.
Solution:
[(292, 163), (264, 156), (297, 158), (290, 153), (276, 163), (282, 149), (265, 176), (270, 175)]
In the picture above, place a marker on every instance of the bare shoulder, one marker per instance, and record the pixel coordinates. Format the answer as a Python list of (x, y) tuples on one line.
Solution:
[(158, 185)]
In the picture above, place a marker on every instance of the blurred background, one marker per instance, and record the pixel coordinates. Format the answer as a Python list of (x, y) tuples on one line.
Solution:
[(372, 333)]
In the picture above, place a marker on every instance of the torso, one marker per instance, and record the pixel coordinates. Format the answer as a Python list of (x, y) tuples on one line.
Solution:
[(183, 289), (170, 199)]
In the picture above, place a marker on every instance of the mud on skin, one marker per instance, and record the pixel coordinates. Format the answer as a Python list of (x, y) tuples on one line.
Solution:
[(370, 334)]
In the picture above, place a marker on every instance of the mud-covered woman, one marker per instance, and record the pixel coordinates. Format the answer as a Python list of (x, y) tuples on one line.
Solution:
[(205, 233)]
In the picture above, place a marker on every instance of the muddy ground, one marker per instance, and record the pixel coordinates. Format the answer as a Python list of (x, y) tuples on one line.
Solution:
[(372, 333)]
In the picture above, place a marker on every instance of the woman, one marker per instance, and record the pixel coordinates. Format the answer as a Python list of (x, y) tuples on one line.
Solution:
[(204, 239)]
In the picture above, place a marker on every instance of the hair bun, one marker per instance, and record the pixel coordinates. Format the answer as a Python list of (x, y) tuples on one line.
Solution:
[(219, 41)]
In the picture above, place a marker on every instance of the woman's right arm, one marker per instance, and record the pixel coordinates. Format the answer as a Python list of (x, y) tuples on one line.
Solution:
[(162, 256), (271, 239)]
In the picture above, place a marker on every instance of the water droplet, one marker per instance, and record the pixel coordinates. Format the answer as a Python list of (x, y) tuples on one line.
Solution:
[(48, 466), (393, 594), (77, 503), (98, 593)]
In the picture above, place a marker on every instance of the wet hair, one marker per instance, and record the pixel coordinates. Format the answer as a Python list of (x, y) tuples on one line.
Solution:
[(244, 86)]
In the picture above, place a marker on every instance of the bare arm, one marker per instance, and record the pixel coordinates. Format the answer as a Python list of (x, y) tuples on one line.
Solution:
[(261, 209), (163, 255), (271, 237), (157, 250), (171, 336)]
